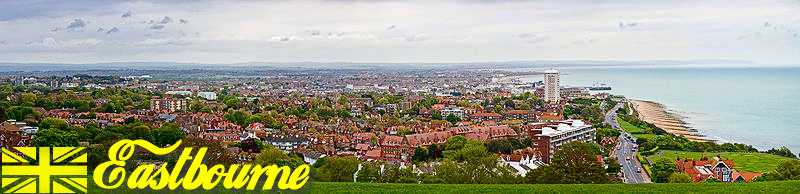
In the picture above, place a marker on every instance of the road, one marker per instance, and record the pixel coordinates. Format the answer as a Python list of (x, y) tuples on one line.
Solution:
[(625, 151)]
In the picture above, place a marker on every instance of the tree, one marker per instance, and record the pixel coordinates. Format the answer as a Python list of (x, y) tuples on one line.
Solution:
[(55, 138), (782, 151), (167, 134), (237, 117), (661, 169), (455, 142), (679, 178), (338, 169), (500, 146), (53, 123), (369, 172), (453, 118), (436, 115), (573, 163), (613, 166), (434, 151), (788, 170), (420, 154), (252, 145), (271, 155), (472, 150)]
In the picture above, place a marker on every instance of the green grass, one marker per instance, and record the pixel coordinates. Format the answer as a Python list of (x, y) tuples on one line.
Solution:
[(341, 187), (644, 136), (758, 187), (629, 127), (751, 162)]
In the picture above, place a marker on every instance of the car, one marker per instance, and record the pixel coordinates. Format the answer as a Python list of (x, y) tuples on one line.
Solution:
[(627, 158), (638, 170)]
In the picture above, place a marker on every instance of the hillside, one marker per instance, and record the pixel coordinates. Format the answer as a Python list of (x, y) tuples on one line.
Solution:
[(752, 162)]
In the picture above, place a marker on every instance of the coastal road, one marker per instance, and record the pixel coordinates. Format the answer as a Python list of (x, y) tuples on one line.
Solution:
[(625, 152)]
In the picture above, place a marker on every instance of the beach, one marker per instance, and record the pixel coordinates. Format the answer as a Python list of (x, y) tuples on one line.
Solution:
[(657, 114)]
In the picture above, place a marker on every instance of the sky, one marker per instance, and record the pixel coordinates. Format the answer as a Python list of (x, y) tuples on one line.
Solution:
[(87, 31)]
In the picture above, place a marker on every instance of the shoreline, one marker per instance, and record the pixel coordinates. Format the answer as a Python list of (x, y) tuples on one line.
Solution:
[(657, 114)]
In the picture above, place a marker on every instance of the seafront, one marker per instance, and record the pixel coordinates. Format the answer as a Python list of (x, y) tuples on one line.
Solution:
[(657, 114)]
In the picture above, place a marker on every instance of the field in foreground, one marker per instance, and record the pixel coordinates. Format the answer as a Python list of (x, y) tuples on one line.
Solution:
[(752, 162), (340, 187), (758, 187)]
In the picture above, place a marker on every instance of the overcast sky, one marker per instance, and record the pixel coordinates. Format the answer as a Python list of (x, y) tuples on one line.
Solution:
[(81, 31)]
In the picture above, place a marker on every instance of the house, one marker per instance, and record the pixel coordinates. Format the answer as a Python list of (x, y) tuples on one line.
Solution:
[(520, 114), (718, 168), (480, 117)]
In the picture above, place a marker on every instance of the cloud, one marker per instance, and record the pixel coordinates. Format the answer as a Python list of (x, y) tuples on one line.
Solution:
[(416, 38), (163, 42), (183, 21), (51, 42), (127, 14), (112, 30), (624, 25), (284, 38), (531, 38), (165, 20), (314, 32), (157, 27), (76, 24)]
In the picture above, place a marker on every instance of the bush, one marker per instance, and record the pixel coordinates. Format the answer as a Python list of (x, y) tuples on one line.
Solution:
[(679, 178)]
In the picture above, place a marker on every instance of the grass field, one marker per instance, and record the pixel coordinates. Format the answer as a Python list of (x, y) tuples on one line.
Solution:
[(759, 187), (629, 127), (752, 162), (340, 187)]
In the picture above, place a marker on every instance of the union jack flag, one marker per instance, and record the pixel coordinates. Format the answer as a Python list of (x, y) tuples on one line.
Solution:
[(44, 170)]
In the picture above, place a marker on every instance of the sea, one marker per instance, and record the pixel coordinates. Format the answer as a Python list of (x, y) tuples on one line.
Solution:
[(759, 106)]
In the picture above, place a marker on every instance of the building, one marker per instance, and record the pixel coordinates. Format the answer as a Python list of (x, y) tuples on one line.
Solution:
[(456, 111), (719, 169), (576, 92), (551, 86), (207, 95), (549, 137), (167, 104)]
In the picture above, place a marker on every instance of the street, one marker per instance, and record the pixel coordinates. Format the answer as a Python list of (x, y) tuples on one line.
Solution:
[(625, 151)]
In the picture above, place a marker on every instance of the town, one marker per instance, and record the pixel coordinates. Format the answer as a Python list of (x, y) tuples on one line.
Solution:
[(401, 126)]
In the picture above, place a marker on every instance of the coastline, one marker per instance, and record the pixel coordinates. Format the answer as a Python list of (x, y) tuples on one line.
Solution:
[(657, 114)]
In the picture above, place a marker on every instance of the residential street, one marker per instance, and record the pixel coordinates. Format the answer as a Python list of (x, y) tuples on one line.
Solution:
[(625, 151)]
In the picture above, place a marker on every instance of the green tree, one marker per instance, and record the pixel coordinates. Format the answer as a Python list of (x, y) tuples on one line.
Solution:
[(435, 115), (679, 178), (613, 166), (455, 142), (53, 123), (338, 169), (661, 169), (237, 117), (420, 154), (272, 155), (55, 138), (453, 118), (788, 170), (369, 172), (500, 146), (782, 151), (573, 163), (167, 134)]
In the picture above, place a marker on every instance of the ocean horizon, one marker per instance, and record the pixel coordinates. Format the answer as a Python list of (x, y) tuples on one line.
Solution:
[(751, 105)]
